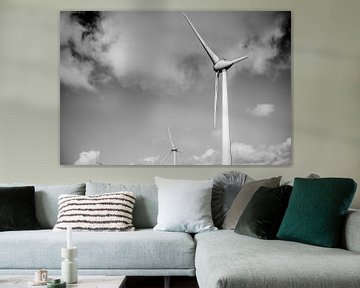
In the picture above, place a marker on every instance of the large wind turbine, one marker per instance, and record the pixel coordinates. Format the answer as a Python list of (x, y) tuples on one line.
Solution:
[(220, 66)]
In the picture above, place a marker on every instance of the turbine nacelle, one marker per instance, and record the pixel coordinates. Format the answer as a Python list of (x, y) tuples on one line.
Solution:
[(223, 64)]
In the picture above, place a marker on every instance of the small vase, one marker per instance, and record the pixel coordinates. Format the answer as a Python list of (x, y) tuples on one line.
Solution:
[(69, 271)]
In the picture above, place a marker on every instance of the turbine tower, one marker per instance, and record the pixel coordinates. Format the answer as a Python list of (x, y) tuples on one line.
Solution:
[(220, 66)]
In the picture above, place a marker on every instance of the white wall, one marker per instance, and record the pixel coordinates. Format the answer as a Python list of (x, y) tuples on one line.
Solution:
[(326, 90)]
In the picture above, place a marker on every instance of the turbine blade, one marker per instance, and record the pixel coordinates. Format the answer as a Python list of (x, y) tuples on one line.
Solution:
[(216, 95), (167, 157), (214, 58), (238, 59), (170, 138)]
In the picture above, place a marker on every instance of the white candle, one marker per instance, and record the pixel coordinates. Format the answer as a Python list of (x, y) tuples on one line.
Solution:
[(69, 237)]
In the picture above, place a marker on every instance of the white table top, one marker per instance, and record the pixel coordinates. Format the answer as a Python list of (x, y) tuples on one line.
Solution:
[(84, 281)]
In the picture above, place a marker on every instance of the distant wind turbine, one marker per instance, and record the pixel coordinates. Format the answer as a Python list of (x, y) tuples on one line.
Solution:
[(220, 66), (174, 149)]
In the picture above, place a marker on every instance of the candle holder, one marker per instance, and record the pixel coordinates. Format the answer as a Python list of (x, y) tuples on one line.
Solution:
[(68, 265)]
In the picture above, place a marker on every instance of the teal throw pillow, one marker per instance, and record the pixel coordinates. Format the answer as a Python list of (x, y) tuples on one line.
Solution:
[(316, 211)]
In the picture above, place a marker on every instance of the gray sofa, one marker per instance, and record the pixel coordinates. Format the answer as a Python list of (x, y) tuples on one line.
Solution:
[(218, 259)]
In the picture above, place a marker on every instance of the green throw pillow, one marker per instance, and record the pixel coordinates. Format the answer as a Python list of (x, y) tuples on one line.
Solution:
[(316, 211)]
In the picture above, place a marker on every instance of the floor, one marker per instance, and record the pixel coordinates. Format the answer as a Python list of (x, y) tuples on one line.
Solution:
[(158, 282)]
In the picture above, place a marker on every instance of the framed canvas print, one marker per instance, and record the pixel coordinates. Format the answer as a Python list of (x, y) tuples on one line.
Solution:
[(175, 88)]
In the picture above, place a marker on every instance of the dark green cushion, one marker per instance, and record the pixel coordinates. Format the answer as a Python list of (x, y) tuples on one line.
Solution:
[(17, 208), (316, 211), (263, 214)]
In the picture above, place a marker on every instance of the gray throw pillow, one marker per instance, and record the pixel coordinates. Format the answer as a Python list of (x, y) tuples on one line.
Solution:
[(226, 187), (46, 200), (184, 205), (243, 198)]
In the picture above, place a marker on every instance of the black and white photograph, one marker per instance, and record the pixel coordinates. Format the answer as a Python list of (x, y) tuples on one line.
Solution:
[(175, 88)]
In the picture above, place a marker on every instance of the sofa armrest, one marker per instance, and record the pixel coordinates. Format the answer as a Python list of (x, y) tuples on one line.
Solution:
[(351, 232)]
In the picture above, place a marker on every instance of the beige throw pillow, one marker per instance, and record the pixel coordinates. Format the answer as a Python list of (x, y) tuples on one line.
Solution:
[(243, 198)]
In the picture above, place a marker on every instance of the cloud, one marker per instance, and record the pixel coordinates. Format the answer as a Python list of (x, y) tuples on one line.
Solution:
[(277, 154), (151, 160), (77, 54), (246, 154), (209, 157), (269, 46), (242, 154), (89, 158), (75, 73), (91, 52), (261, 110), (113, 44), (109, 43)]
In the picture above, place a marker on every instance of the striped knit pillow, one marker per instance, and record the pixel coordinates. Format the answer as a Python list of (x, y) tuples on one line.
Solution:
[(105, 212)]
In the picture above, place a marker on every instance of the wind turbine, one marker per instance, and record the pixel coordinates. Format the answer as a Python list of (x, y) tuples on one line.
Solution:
[(174, 148), (220, 66)]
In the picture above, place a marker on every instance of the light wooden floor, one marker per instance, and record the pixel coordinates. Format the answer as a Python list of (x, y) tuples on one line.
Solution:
[(158, 282)]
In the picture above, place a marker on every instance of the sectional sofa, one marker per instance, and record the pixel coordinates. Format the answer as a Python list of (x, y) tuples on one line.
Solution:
[(218, 258)]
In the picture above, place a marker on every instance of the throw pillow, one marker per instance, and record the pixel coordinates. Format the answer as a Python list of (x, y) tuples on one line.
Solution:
[(106, 212), (316, 211), (263, 215), (17, 209), (226, 187), (243, 198), (184, 205)]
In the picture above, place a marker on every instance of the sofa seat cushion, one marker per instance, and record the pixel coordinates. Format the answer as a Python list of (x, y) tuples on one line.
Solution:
[(142, 249), (226, 259)]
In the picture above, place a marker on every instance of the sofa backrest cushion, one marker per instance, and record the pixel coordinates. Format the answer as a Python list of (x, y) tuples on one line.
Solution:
[(46, 200), (146, 204)]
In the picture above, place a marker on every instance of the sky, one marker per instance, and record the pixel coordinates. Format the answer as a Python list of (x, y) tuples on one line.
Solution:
[(126, 76)]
